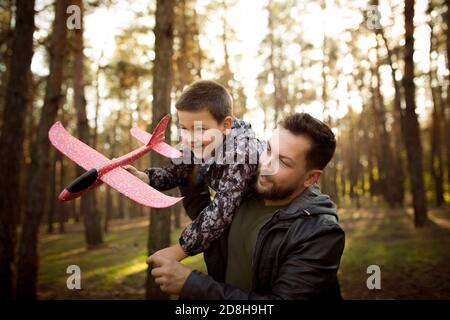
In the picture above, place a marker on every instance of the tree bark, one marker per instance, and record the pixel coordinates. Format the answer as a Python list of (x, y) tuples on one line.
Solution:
[(447, 111), (27, 266), (274, 69), (61, 207), (12, 136), (436, 154), (109, 198), (396, 174), (159, 228), (387, 176), (88, 206), (5, 50), (50, 205), (410, 124)]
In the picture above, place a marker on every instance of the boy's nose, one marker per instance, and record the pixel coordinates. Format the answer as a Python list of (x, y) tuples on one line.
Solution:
[(196, 144)]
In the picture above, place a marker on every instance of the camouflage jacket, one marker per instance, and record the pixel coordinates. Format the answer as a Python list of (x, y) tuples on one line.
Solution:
[(230, 173)]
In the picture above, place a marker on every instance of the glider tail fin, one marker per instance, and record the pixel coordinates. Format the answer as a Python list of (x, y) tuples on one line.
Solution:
[(159, 131), (158, 144)]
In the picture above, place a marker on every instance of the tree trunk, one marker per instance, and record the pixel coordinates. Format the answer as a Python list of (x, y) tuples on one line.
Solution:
[(159, 228), (5, 50), (108, 210), (120, 206), (447, 111), (27, 267), (329, 175), (109, 198), (61, 206), (88, 206), (11, 149), (75, 210), (353, 155), (98, 100), (274, 69), (436, 157), (410, 124), (226, 74), (398, 175), (387, 175), (436, 154), (186, 58), (51, 196), (177, 215)]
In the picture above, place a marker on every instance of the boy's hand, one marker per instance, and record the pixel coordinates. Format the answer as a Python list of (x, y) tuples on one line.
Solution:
[(135, 172)]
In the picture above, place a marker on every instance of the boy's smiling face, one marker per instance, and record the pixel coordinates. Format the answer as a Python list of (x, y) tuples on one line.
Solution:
[(201, 132)]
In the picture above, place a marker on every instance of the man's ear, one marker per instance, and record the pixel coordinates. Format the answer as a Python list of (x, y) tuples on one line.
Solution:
[(313, 177), (227, 124)]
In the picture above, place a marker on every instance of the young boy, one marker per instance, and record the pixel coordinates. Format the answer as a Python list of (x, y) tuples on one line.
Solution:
[(208, 105)]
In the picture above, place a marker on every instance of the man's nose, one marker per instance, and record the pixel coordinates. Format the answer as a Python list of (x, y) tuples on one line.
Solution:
[(269, 165), (264, 161)]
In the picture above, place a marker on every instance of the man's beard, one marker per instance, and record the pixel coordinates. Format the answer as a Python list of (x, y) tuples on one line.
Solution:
[(274, 191)]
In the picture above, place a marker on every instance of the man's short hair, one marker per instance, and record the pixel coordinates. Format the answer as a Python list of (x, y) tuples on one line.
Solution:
[(323, 142), (206, 95)]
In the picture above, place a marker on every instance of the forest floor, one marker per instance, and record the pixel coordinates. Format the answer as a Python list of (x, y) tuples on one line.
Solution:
[(414, 263)]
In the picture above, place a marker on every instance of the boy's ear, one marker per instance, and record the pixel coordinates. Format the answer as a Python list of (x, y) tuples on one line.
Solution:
[(227, 124)]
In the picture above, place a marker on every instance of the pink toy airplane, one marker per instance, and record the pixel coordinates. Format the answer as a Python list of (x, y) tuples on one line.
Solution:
[(101, 169)]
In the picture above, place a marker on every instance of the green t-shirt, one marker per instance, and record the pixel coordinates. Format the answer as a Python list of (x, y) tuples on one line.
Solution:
[(244, 229)]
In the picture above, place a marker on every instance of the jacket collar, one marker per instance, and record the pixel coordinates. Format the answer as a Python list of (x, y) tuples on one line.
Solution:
[(310, 202)]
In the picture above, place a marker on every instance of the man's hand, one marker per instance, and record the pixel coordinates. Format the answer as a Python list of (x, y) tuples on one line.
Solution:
[(135, 172), (170, 275)]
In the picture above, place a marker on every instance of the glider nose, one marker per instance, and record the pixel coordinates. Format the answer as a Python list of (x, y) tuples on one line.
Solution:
[(65, 195)]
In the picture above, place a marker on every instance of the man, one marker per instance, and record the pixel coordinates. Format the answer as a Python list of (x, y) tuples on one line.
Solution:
[(284, 242)]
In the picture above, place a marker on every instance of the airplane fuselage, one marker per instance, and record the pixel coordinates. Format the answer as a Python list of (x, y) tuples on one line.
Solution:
[(91, 178)]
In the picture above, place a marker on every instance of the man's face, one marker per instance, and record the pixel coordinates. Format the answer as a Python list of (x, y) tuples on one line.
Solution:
[(283, 171), (201, 132)]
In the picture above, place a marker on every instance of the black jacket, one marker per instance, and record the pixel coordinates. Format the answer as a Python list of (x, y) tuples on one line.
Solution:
[(297, 253)]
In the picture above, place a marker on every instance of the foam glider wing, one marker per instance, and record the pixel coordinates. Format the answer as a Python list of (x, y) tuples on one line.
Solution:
[(118, 178)]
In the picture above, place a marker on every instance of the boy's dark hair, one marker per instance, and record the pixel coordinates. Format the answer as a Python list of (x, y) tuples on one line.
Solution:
[(206, 95), (323, 142)]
